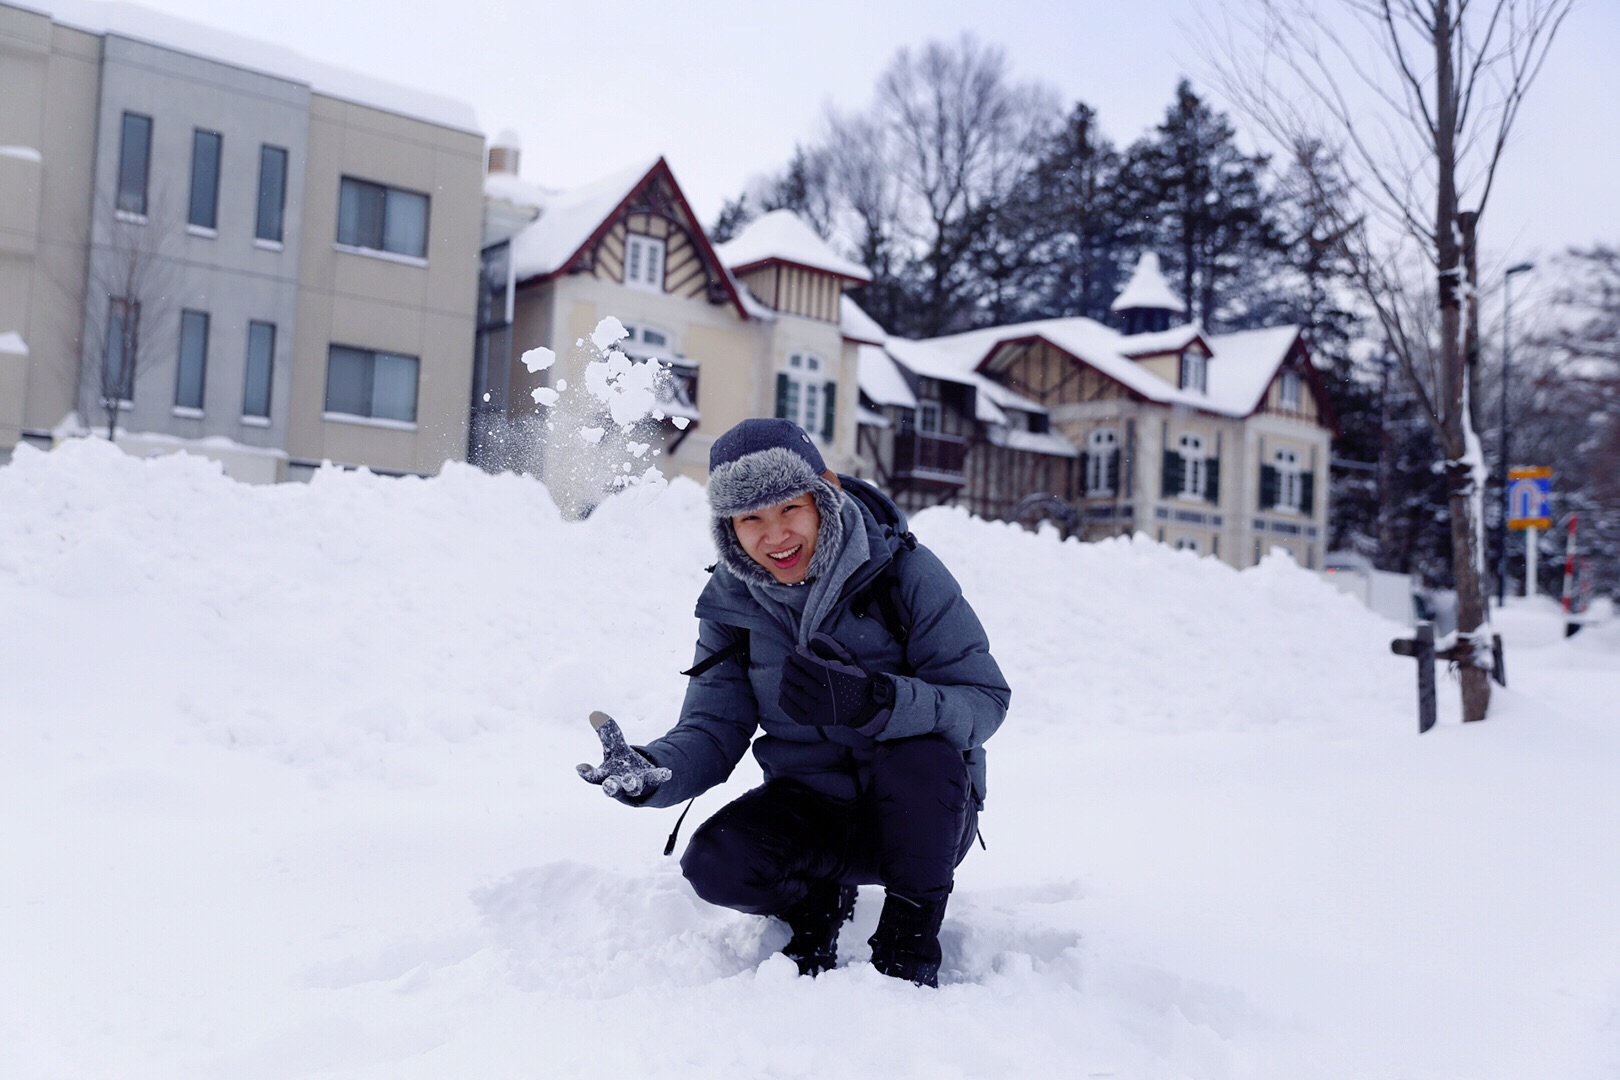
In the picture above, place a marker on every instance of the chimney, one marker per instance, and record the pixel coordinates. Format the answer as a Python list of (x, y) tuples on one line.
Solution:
[(503, 154)]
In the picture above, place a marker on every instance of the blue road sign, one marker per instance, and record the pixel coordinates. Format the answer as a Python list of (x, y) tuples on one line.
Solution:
[(1527, 495)]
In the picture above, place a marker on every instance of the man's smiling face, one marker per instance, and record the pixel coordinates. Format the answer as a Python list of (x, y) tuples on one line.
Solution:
[(781, 538)]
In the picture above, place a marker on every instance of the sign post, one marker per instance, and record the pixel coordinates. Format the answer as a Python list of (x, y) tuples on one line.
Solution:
[(1528, 491)]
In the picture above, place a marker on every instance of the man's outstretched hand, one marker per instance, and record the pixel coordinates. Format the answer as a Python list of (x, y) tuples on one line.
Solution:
[(623, 774)]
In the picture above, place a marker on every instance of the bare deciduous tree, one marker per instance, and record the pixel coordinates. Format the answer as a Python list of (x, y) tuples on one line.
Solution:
[(962, 134), (130, 308), (1413, 100)]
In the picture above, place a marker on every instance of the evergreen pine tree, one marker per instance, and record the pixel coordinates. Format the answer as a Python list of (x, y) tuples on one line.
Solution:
[(1201, 203)]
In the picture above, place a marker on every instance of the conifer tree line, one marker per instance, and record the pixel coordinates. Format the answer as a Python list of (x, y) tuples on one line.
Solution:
[(977, 200)]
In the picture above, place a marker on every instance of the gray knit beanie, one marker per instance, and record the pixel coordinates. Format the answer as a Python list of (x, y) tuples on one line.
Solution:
[(765, 462)]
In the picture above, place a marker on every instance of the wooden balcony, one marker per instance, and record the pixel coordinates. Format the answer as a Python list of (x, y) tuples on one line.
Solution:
[(937, 458)]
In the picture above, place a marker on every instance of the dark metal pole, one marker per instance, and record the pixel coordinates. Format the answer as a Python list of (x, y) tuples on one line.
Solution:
[(1507, 349)]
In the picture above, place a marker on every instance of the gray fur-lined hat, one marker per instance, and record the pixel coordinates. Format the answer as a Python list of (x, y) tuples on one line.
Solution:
[(763, 462)]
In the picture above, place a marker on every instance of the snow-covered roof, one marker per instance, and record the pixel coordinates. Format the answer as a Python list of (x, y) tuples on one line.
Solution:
[(857, 325), (1246, 363), (12, 344), (867, 417), (568, 219), (782, 236), (881, 380), (518, 191), (953, 359), (1241, 366), (1148, 288), (1161, 341), (182, 35)]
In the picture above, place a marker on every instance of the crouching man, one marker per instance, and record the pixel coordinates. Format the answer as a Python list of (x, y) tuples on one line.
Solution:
[(853, 653)]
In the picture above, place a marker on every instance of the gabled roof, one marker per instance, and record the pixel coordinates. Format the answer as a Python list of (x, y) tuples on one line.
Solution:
[(781, 236), (1148, 288), (1241, 366), (951, 359), (572, 222)]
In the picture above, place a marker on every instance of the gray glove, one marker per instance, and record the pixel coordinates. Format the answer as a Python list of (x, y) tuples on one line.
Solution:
[(624, 774)]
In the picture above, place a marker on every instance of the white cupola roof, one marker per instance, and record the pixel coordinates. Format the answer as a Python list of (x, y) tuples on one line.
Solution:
[(1148, 289)]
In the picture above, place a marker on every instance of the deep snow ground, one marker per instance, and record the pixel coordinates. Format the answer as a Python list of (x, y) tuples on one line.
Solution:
[(288, 792)]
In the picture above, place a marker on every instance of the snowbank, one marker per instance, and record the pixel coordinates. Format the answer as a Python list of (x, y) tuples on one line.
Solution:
[(290, 792)]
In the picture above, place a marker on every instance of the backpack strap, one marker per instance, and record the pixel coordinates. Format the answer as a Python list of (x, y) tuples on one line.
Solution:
[(884, 594), (738, 647)]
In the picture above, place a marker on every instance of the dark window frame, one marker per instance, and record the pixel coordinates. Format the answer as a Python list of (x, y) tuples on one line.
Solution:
[(126, 199), (369, 393), (262, 230), (198, 137), (189, 316), (269, 374), (361, 234), (119, 310)]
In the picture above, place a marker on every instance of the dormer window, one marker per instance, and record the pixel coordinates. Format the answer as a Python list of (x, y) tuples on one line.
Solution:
[(644, 262), (1288, 391), (1195, 371)]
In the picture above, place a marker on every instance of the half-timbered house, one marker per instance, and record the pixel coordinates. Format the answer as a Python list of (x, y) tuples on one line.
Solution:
[(749, 328), (1209, 442)]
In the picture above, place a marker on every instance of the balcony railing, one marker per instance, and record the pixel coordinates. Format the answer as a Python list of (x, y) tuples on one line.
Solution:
[(930, 457)]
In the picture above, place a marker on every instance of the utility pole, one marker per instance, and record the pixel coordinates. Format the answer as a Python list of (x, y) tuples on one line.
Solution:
[(1507, 349)]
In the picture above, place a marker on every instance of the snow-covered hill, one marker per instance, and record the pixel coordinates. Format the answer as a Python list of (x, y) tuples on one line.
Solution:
[(288, 791)]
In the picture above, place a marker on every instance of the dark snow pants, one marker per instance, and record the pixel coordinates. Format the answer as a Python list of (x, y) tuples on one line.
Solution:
[(908, 831)]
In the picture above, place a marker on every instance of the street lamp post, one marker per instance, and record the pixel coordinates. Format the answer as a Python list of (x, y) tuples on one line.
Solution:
[(1507, 349)]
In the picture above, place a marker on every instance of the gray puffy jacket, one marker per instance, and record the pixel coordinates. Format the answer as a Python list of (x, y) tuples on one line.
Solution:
[(954, 688)]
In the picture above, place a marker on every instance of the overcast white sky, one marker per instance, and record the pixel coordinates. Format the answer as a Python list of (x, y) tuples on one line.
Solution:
[(724, 88)]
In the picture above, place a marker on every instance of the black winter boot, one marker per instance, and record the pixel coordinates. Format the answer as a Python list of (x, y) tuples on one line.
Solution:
[(906, 945), (815, 921)]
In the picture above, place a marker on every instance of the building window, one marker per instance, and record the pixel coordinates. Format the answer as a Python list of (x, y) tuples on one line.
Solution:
[(1288, 479), (205, 148), (375, 385), (1194, 466), (261, 366), (1195, 371), (645, 341), (644, 262), (378, 218), (1102, 462), (134, 163), (928, 417), (188, 383), (1289, 390), (1187, 543), (272, 193), (122, 349), (805, 398)]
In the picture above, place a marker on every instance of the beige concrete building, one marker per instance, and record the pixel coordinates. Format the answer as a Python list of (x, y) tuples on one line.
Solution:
[(49, 88), (213, 245)]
